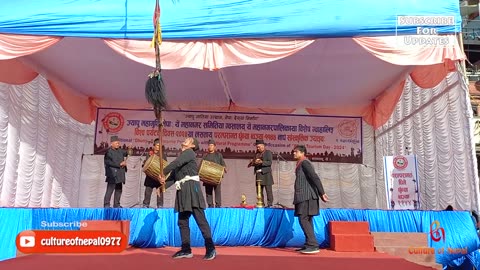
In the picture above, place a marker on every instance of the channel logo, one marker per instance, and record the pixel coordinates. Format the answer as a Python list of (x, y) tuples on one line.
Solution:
[(71, 241), (26, 239)]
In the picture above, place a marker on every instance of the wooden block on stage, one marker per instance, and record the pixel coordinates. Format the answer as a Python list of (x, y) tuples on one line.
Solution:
[(107, 225), (388, 239), (349, 227), (352, 242)]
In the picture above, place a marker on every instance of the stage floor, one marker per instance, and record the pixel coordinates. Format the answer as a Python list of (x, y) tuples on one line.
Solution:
[(231, 258)]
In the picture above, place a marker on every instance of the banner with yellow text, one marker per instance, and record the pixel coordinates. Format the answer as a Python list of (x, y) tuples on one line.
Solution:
[(327, 138)]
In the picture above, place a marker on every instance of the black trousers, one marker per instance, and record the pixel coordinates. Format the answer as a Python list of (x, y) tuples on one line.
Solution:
[(306, 223), (269, 190), (108, 194), (148, 196), (209, 195), (183, 224)]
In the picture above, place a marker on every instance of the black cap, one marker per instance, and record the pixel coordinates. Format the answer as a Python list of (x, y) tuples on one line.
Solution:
[(257, 142), (211, 141), (114, 139)]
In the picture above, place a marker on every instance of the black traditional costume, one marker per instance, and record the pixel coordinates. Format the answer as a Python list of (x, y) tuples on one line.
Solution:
[(215, 157), (263, 172), (115, 174), (151, 184), (189, 200), (308, 190)]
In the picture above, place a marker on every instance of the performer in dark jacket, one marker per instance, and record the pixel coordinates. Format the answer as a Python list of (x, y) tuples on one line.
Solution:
[(308, 190), (262, 163), (215, 157), (153, 183), (115, 169), (189, 199)]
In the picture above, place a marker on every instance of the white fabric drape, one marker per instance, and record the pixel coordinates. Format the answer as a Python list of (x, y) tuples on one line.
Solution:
[(438, 132), (40, 148)]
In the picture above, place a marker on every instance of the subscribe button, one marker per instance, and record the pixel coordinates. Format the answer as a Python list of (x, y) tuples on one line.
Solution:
[(71, 242)]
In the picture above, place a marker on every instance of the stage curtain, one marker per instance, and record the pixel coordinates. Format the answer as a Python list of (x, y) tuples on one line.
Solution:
[(208, 54), (13, 46), (13, 71), (434, 124), (41, 148)]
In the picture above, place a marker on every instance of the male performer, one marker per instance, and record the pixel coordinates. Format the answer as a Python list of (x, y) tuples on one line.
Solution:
[(215, 157), (263, 170), (308, 189), (153, 183), (115, 169), (189, 199)]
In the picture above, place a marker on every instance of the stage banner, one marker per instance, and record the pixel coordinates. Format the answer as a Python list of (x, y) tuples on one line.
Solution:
[(327, 138), (401, 182)]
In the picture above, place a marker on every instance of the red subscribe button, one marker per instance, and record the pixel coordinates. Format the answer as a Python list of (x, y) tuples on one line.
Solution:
[(71, 242)]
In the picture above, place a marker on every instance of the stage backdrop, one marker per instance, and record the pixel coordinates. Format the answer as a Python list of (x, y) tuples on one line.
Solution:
[(327, 138)]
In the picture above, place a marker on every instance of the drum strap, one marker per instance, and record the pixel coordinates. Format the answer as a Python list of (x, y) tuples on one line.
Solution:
[(178, 184)]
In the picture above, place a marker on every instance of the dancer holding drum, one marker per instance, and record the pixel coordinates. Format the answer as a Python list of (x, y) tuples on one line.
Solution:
[(152, 171), (212, 182)]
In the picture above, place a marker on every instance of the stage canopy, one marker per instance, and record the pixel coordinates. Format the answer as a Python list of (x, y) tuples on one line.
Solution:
[(336, 58)]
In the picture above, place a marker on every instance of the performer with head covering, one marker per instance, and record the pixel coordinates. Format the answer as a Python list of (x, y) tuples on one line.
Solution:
[(308, 189), (189, 199), (215, 157), (115, 169), (153, 183), (262, 163)]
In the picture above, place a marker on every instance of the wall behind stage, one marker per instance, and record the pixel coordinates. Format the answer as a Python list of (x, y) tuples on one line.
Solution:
[(348, 185)]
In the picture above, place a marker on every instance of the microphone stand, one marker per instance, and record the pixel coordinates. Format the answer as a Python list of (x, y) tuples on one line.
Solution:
[(140, 178), (278, 180)]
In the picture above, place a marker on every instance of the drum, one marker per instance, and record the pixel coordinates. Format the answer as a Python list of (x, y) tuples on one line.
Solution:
[(152, 166), (211, 173)]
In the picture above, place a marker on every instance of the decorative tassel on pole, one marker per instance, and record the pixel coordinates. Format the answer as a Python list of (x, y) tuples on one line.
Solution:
[(155, 87)]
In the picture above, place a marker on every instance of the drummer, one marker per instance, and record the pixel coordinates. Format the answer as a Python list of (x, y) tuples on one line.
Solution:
[(216, 157), (152, 183)]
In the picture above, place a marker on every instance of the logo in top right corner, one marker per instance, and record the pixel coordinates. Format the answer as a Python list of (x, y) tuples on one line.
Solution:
[(437, 233), (347, 128)]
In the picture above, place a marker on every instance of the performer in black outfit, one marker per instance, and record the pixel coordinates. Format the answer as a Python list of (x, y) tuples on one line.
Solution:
[(153, 183), (115, 169), (308, 189), (215, 157), (262, 163), (189, 199)]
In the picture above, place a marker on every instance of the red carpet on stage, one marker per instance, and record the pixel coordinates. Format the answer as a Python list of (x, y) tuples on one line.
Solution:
[(230, 258)]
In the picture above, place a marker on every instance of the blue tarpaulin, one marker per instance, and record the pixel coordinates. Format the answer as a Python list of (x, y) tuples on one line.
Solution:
[(151, 228), (203, 19)]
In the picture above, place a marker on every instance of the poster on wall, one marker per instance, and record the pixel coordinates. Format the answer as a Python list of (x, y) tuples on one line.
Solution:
[(327, 138), (401, 182)]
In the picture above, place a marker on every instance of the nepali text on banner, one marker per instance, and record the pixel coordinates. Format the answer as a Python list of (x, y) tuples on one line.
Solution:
[(327, 138), (401, 180)]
